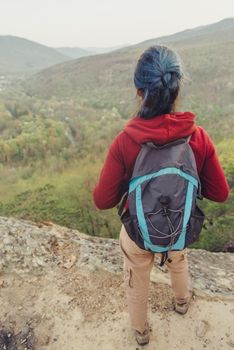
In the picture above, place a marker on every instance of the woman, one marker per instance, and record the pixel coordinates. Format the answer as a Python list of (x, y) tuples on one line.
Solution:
[(157, 79)]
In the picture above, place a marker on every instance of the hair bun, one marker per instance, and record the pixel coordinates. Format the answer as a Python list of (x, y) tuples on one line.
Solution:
[(166, 79)]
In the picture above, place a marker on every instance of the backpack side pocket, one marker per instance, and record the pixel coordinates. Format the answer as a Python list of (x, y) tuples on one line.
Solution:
[(195, 225), (132, 228)]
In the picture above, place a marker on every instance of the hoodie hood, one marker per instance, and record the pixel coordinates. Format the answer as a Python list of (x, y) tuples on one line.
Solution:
[(161, 129)]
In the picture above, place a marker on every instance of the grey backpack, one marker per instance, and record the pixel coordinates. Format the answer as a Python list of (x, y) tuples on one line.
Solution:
[(162, 213)]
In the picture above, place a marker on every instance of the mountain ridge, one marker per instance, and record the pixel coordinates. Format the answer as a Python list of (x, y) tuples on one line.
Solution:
[(222, 25), (78, 52), (18, 54), (109, 76), (74, 52)]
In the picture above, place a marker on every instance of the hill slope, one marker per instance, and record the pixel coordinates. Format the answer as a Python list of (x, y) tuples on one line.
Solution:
[(74, 52), (211, 33), (207, 52), (77, 52), (20, 55)]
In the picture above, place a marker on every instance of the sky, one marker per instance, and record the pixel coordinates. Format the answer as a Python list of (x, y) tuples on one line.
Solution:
[(106, 23)]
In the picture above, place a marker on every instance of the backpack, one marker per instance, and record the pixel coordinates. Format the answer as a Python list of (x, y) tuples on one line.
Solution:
[(162, 213)]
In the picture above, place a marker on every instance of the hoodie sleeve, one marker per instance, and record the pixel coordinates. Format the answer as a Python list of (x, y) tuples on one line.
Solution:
[(112, 181), (212, 177)]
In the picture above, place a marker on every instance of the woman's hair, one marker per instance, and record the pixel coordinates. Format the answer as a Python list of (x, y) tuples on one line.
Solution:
[(158, 75)]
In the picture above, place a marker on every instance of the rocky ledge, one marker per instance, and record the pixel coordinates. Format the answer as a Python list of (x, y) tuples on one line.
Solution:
[(26, 246), (63, 290)]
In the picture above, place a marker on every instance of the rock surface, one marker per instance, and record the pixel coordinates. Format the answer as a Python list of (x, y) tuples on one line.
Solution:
[(61, 289)]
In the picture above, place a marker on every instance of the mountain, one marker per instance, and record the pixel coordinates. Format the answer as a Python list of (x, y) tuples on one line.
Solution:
[(77, 52), (22, 55), (100, 50), (74, 52), (214, 32), (207, 53)]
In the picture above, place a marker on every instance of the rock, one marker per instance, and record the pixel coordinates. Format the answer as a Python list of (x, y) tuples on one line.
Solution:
[(49, 295), (38, 261), (7, 241), (28, 247), (202, 328), (85, 258), (70, 262), (230, 343)]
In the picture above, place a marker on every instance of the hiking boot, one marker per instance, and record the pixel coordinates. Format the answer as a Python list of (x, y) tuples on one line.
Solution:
[(181, 308), (143, 338)]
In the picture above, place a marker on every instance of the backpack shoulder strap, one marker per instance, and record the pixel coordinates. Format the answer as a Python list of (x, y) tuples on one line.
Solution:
[(122, 204)]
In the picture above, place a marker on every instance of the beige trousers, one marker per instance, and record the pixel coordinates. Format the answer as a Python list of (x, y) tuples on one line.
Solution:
[(138, 264)]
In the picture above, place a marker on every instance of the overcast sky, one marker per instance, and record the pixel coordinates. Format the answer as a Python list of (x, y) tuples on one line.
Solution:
[(106, 22)]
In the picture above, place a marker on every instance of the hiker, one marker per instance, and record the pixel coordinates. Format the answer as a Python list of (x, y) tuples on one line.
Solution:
[(157, 79)]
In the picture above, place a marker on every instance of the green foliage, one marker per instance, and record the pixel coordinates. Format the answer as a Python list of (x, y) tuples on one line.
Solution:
[(50, 158), (217, 234), (66, 200), (16, 109), (26, 137), (219, 224)]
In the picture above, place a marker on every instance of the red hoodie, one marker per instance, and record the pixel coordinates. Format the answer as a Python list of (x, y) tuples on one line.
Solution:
[(118, 167)]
